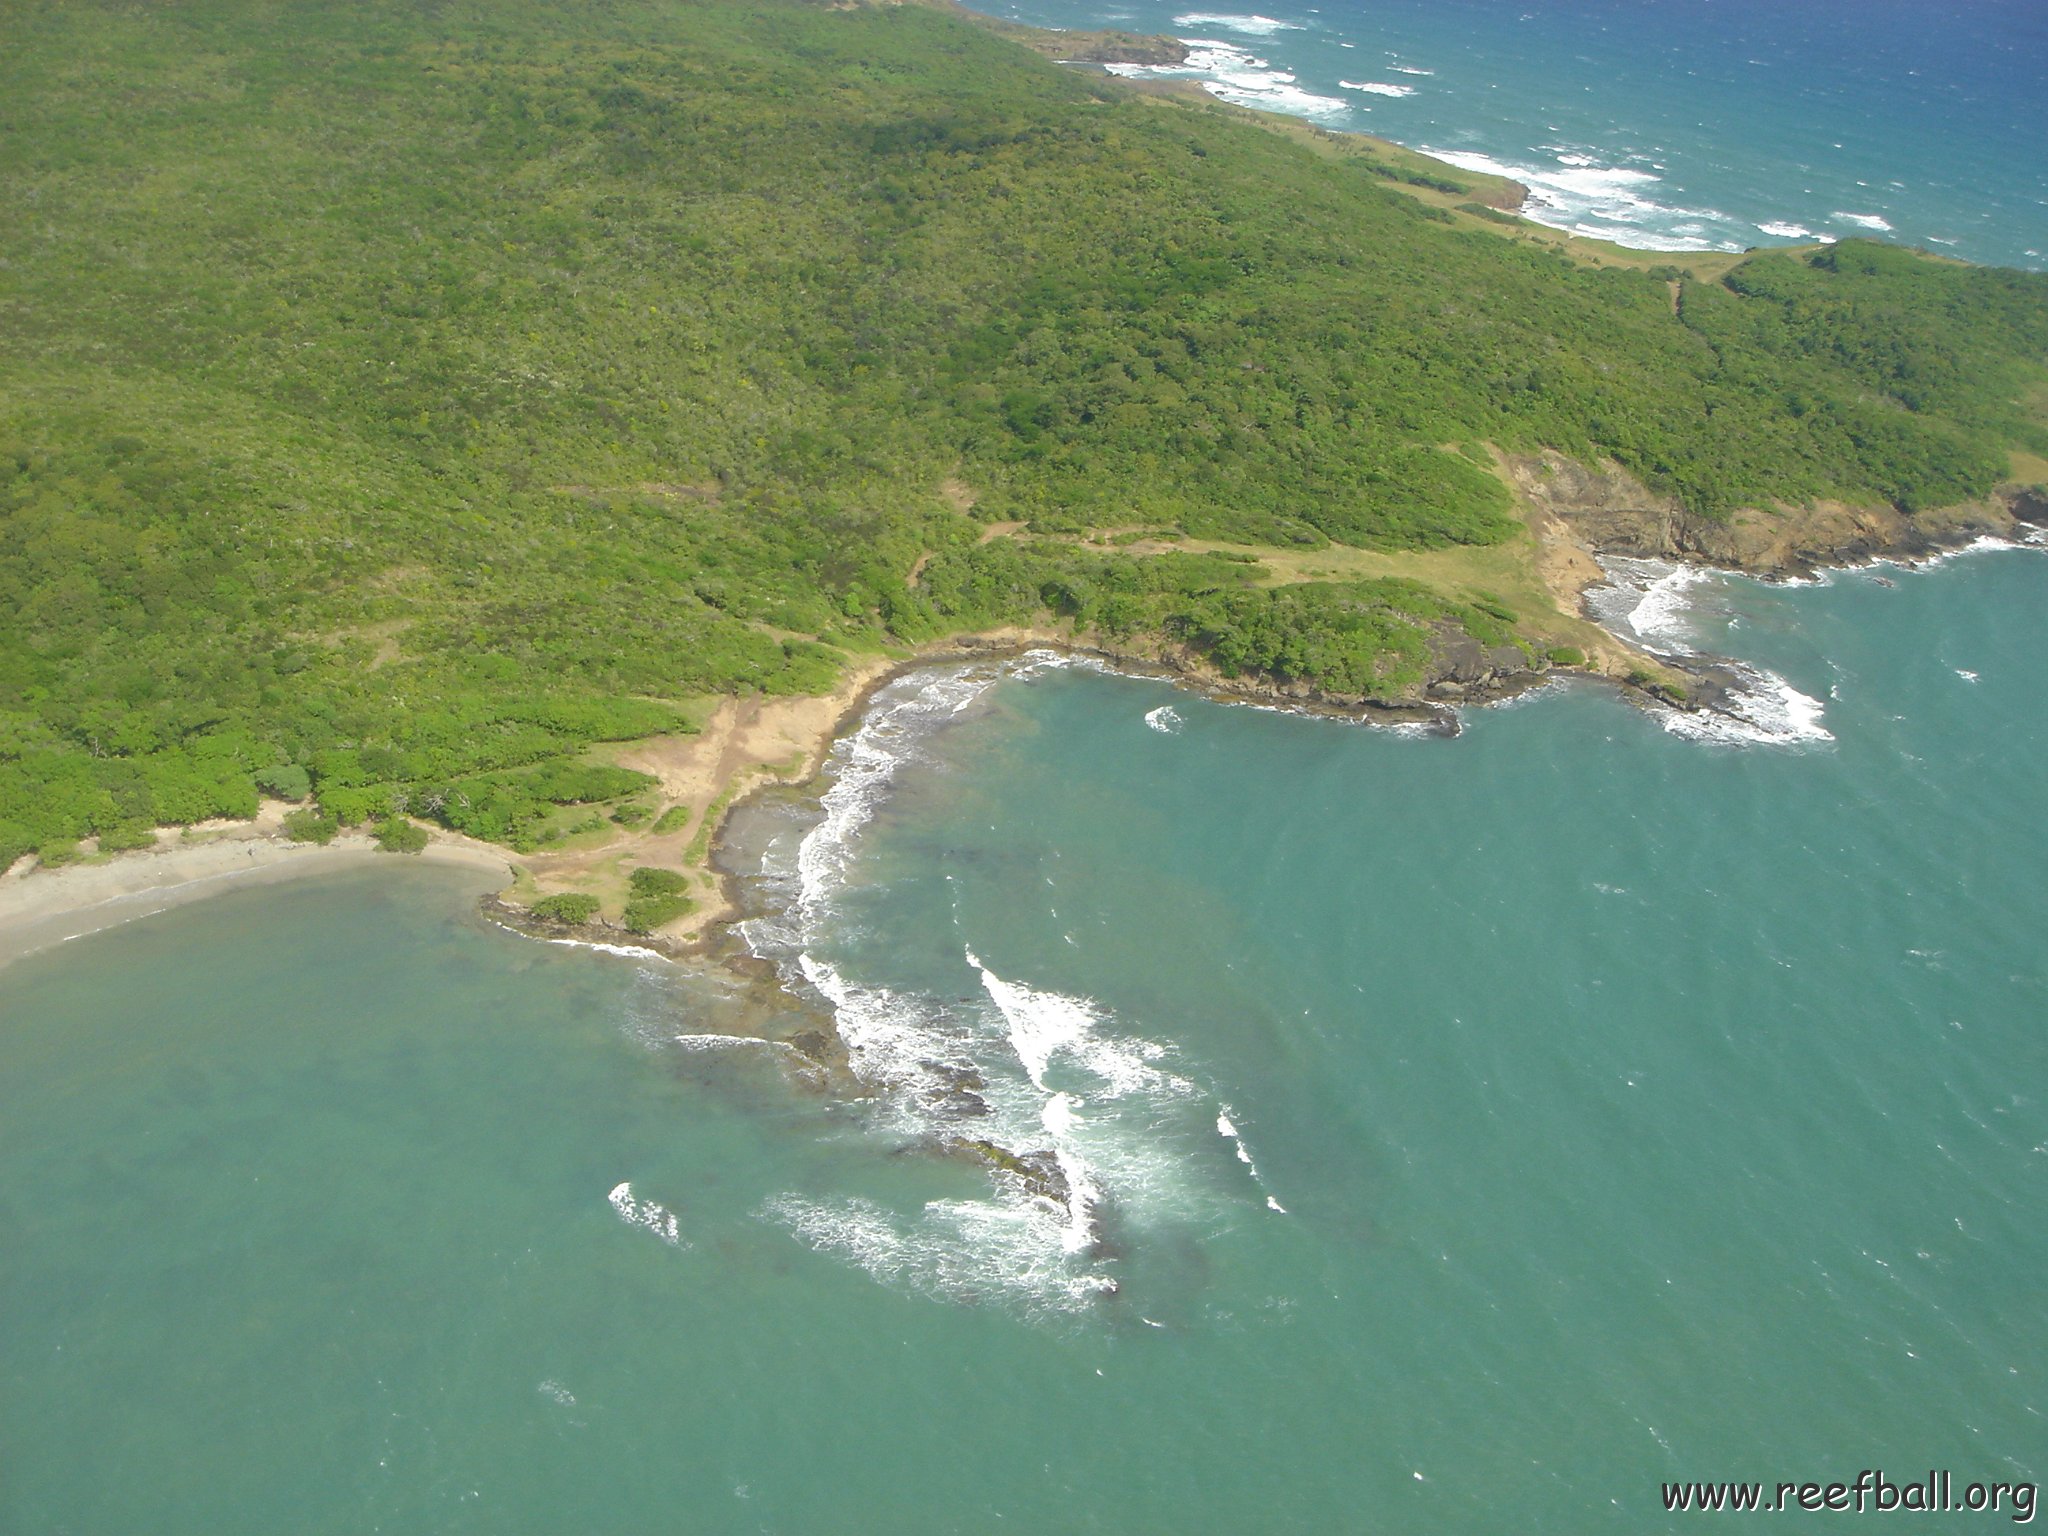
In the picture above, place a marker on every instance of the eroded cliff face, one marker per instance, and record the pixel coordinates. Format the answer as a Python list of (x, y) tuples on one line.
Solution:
[(1609, 511)]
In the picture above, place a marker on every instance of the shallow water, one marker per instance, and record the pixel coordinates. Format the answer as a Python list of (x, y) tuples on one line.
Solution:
[(1636, 1107)]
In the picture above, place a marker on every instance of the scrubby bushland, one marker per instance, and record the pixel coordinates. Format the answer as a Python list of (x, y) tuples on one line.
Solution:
[(422, 395)]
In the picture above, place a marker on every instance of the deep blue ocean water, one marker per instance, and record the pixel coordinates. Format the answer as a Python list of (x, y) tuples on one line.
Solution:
[(1668, 124)]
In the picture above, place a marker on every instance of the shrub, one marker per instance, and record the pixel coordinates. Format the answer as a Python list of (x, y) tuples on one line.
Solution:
[(649, 881), (1567, 656), (644, 914), (658, 897), (397, 835), (125, 835), (351, 807), (286, 781), (56, 855), (572, 907), (674, 819), (309, 826)]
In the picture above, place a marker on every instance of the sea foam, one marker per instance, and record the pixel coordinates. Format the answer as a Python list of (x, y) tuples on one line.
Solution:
[(1254, 26), (1654, 603), (1235, 75), (1575, 192), (654, 1218), (1050, 1077)]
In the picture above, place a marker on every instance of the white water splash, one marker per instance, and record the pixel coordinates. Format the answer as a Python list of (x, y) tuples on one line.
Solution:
[(1226, 1127), (1256, 26), (626, 951), (712, 1042), (1574, 192), (953, 1250), (1654, 602), (1165, 719), (1043, 1075), (1767, 711), (645, 1213), (863, 764), (1236, 75)]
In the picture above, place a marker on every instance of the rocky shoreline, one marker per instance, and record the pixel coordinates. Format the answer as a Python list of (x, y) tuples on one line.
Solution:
[(1610, 512), (1599, 512)]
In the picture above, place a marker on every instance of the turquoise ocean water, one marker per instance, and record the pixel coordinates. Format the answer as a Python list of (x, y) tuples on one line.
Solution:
[(1668, 124), (1480, 1133)]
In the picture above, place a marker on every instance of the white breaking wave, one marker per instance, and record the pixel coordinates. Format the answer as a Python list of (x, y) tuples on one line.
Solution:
[(1770, 712), (1255, 26), (1983, 544), (954, 1250), (645, 1213), (1235, 75), (1575, 193), (1409, 69), (1227, 1128), (629, 951), (1094, 1117), (1864, 220), (897, 1042), (1652, 602), (1165, 718), (1786, 230), (709, 1042), (1043, 1025), (1377, 87), (863, 764)]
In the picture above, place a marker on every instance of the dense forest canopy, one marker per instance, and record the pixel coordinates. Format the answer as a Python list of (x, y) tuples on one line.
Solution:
[(414, 395)]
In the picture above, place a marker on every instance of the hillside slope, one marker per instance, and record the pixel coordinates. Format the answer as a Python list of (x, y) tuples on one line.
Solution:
[(412, 397)]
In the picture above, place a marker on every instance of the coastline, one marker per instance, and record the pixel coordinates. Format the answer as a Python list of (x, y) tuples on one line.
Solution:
[(42, 908), (749, 746)]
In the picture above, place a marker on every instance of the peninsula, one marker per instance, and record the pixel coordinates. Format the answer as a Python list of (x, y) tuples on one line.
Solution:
[(533, 429)]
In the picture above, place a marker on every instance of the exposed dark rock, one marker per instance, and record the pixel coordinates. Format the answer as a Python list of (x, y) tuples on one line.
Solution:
[(953, 1091), (1035, 1173)]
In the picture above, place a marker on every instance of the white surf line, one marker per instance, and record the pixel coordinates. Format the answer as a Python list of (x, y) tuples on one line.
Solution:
[(1226, 1127), (645, 1213), (706, 1042), (1649, 603), (625, 951)]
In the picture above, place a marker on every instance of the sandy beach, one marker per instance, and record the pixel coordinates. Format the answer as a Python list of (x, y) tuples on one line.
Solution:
[(44, 907), (746, 744)]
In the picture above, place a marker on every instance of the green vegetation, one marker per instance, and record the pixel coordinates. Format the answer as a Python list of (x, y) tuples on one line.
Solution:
[(309, 826), (656, 896), (674, 819), (1567, 656), (572, 907), (418, 398), (395, 834), (287, 781)]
